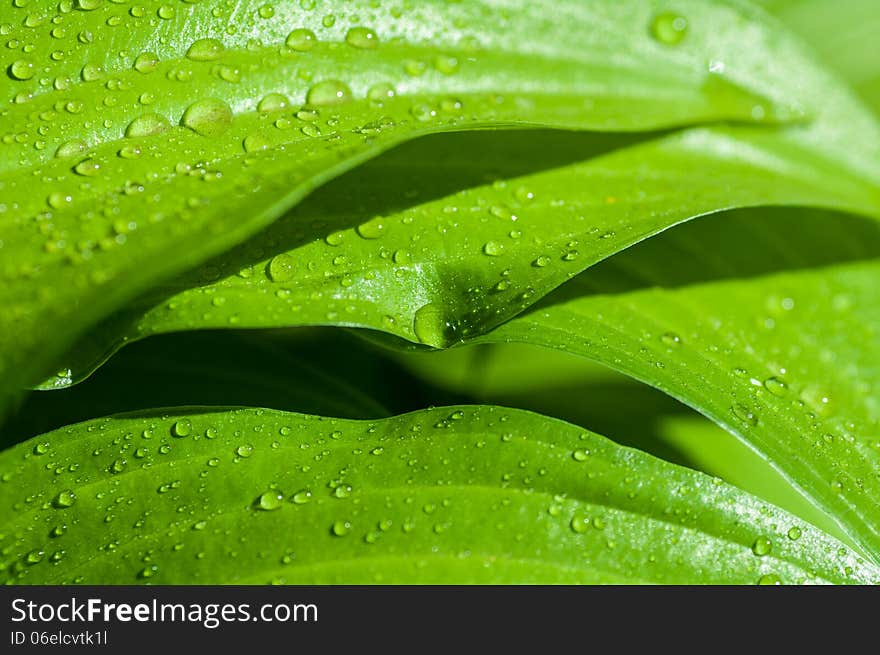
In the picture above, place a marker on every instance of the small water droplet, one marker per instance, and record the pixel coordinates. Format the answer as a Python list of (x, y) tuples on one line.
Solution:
[(776, 386), (762, 546), (669, 28), (769, 579), (181, 428), (329, 92), (22, 69), (64, 499), (744, 414), (205, 50), (208, 117), (373, 229), (147, 125), (273, 102), (280, 268), (362, 37), (340, 528), (269, 501), (429, 325), (580, 523), (301, 40), (580, 455), (493, 248)]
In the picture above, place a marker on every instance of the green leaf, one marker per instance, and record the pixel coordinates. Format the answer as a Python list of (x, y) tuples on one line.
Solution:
[(456, 265), (252, 496), (577, 390), (844, 35), (138, 142), (787, 361)]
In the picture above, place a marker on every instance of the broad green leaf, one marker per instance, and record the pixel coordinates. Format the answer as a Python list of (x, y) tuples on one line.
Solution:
[(461, 494), (453, 266), (788, 361), (582, 392), (844, 34), (138, 141)]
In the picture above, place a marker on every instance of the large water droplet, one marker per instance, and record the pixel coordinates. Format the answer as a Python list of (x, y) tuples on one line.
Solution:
[(669, 28), (147, 125), (329, 92), (208, 117), (22, 69), (362, 37), (269, 501), (301, 40), (429, 325), (762, 546), (64, 499), (280, 268), (205, 50)]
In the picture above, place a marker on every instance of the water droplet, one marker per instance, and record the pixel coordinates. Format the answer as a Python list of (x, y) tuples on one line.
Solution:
[(256, 142), (446, 64), (362, 37), (34, 557), (22, 69), (381, 92), (208, 117), (41, 448), (372, 229), (117, 466), (301, 40), (541, 261), (329, 92), (669, 28), (205, 50), (670, 339), (429, 325), (280, 268), (71, 148), (762, 546), (245, 450), (64, 499), (776, 386), (493, 248), (794, 533), (580, 523), (181, 428), (340, 528), (273, 102), (87, 168), (146, 62), (92, 72), (59, 200), (580, 455), (269, 501), (744, 414), (302, 497), (769, 579), (147, 125)]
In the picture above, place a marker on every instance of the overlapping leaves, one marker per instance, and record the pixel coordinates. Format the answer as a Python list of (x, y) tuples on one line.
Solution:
[(764, 321)]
